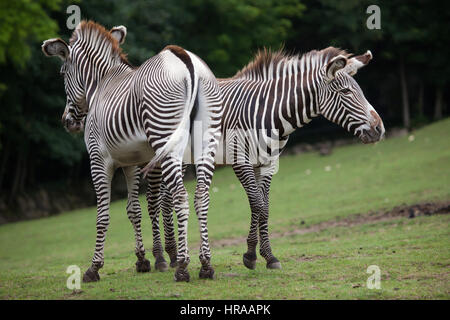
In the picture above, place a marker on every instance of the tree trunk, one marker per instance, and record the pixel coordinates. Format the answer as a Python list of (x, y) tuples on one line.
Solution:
[(17, 176), (405, 100), (438, 104), (23, 176), (420, 101), (20, 174), (6, 152)]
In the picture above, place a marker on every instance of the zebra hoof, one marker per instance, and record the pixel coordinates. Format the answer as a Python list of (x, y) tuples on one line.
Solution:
[(181, 275), (206, 273), (161, 266), (91, 276), (173, 263), (249, 261), (143, 265), (273, 264)]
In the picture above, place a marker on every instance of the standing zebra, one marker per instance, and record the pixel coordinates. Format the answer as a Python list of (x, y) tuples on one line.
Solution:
[(133, 115), (266, 101)]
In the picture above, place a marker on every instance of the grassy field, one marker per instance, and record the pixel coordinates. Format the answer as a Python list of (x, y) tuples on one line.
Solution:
[(309, 190)]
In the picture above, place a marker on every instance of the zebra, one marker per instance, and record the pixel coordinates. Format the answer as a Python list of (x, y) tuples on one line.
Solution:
[(265, 102), (131, 115)]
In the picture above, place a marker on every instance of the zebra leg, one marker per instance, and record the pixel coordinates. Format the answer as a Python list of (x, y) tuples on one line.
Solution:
[(172, 176), (101, 176), (264, 178), (135, 215), (169, 230), (201, 204), (246, 175), (154, 205), (206, 134)]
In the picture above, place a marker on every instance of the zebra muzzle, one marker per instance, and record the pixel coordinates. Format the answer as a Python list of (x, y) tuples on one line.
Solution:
[(372, 135), (71, 125), (376, 130)]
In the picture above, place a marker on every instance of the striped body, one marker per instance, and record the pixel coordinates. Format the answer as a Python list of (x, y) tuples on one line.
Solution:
[(133, 116), (267, 101)]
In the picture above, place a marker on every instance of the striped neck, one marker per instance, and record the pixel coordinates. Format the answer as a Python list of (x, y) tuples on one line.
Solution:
[(97, 72), (291, 85), (303, 105)]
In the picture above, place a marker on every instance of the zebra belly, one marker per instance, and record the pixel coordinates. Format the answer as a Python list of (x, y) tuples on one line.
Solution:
[(131, 153)]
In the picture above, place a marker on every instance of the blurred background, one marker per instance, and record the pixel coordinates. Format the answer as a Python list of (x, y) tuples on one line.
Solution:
[(44, 170)]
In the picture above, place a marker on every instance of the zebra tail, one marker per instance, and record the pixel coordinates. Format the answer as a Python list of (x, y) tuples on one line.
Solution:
[(179, 133)]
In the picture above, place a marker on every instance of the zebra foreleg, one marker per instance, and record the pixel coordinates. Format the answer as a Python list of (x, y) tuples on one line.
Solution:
[(246, 176), (172, 176), (101, 177), (154, 206), (264, 178), (135, 216)]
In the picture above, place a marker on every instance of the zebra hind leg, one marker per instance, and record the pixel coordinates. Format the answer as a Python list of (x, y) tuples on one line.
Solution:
[(264, 248), (201, 204), (172, 176), (246, 175), (154, 205), (205, 142), (169, 230), (264, 178), (135, 216), (201, 207)]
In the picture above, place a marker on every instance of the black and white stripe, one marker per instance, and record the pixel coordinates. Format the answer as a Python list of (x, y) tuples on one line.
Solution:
[(131, 116), (266, 101)]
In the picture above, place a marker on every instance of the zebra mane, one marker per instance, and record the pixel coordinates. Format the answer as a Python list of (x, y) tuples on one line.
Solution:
[(265, 61), (90, 30)]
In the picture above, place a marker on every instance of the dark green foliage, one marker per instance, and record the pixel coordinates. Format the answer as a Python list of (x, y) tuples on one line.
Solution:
[(224, 33), (34, 146), (413, 34), (35, 149), (22, 21)]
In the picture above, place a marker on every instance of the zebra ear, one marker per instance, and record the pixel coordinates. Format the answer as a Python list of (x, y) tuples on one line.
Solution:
[(334, 65), (119, 33), (358, 62), (55, 47)]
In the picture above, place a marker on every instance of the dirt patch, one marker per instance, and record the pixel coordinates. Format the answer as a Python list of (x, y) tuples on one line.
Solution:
[(406, 211), (304, 258), (419, 277)]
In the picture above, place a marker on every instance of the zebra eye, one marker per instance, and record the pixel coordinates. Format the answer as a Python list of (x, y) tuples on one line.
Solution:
[(346, 91)]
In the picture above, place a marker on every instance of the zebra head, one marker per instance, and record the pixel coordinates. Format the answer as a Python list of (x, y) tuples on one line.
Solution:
[(343, 101), (72, 71), (76, 105)]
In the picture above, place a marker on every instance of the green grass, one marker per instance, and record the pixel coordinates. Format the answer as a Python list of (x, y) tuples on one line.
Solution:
[(412, 254)]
